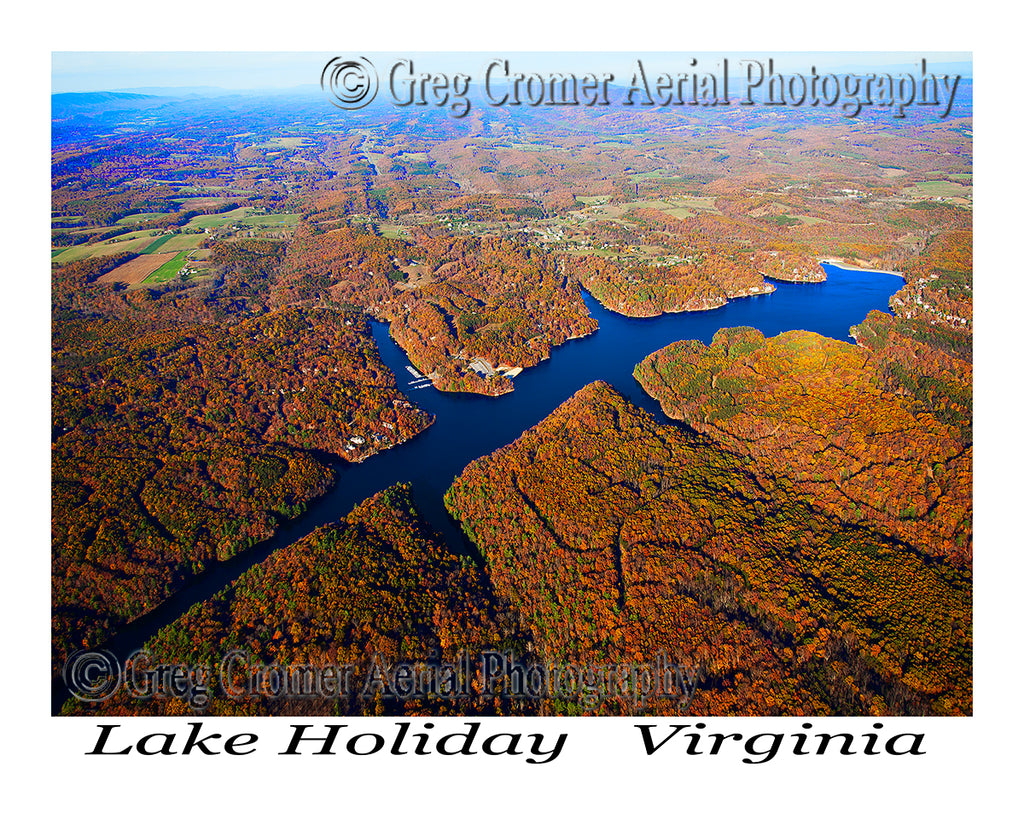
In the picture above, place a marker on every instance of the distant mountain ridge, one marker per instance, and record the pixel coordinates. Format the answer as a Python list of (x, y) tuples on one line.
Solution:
[(96, 97)]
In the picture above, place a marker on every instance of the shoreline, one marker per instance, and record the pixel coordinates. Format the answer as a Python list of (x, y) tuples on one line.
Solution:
[(847, 266)]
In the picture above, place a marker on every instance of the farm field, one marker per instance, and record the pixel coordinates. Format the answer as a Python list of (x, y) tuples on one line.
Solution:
[(133, 245), (196, 202), (135, 218), (938, 187), (285, 142), (175, 241), (392, 231), (135, 271), (158, 244), (271, 220), (169, 269), (216, 220), (681, 207), (244, 216)]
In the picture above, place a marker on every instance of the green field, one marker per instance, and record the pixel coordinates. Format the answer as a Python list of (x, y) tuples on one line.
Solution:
[(134, 245), (134, 218), (175, 241), (526, 146), (182, 241), (191, 190), (652, 204), (271, 220), (695, 203), (392, 231), (657, 174), (681, 207), (216, 220), (244, 217), (937, 187), (284, 142), (159, 243), (592, 251), (168, 270)]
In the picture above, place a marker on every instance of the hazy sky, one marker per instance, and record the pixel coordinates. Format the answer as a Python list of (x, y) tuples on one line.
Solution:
[(105, 71)]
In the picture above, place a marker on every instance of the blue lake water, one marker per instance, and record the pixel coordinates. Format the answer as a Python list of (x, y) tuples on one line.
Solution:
[(468, 426)]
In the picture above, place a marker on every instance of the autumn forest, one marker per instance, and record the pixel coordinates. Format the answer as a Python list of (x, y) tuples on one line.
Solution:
[(791, 517)]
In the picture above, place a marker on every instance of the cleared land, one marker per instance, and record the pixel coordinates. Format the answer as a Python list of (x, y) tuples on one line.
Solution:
[(215, 220), (77, 252), (178, 241), (169, 269), (271, 220), (245, 217), (201, 201), (937, 187), (158, 244), (392, 231), (136, 271), (285, 142), (134, 218), (681, 207)]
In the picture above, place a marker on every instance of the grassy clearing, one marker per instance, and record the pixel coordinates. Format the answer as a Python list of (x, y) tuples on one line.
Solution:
[(808, 220), (202, 201), (655, 204), (706, 203), (937, 187), (135, 234), (592, 251), (245, 217), (680, 207), (271, 220), (592, 200), (287, 142), (392, 231), (186, 190), (216, 220), (168, 270), (656, 174), (526, 146), (83, 231)]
